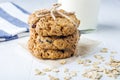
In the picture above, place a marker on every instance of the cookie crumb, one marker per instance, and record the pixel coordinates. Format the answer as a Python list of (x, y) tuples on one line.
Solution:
[(73, 73), (80, 61), (53, 78), (114, 63), (88, 61), (56, 70), (99, 57), (96, 63), (92, 74), (113, 52), (63, 62), (95, 66), (47, 69), (66, 70), (86, 64), (104, 50), (38, 72), (67, 78)]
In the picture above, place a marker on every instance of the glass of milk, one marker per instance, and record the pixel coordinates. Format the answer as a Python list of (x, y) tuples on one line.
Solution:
[(86, 11)]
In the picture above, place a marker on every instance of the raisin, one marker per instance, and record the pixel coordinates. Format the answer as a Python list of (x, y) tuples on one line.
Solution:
[(49, 41), (72, 55), (33, 26), (62, 51)]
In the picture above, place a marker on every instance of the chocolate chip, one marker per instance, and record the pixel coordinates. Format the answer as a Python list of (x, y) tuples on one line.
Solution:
[(49, 41), (34, 26)]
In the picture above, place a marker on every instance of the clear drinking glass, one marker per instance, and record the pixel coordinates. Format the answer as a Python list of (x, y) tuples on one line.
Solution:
[(86, 11)]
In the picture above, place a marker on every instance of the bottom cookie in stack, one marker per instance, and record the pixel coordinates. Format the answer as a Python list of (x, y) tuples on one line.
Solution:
[(49, 54)]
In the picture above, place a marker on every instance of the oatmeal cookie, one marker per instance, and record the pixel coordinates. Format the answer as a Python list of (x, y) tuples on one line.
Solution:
[(47, 26), (54, 42), (59, 43), (48, 54)]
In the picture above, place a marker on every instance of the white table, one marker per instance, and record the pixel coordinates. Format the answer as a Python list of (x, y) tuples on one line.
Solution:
[(13, 66)]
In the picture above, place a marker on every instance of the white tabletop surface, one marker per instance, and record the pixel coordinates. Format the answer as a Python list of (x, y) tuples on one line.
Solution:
[(13, 66)]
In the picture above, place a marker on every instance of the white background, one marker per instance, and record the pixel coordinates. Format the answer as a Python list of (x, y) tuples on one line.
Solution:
[(16, 67)]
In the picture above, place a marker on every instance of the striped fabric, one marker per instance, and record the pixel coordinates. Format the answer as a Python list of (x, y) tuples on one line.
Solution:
[(13, 22)]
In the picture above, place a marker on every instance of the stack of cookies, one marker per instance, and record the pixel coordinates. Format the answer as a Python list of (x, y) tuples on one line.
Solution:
[(53, 33)]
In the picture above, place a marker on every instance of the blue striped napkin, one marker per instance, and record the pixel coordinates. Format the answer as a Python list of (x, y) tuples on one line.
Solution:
[(13, 22)]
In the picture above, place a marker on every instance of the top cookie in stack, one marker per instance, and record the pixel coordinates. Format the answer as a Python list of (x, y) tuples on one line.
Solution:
[(53, 33)]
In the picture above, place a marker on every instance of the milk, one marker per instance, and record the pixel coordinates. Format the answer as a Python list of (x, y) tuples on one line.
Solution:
[(86, 11)]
